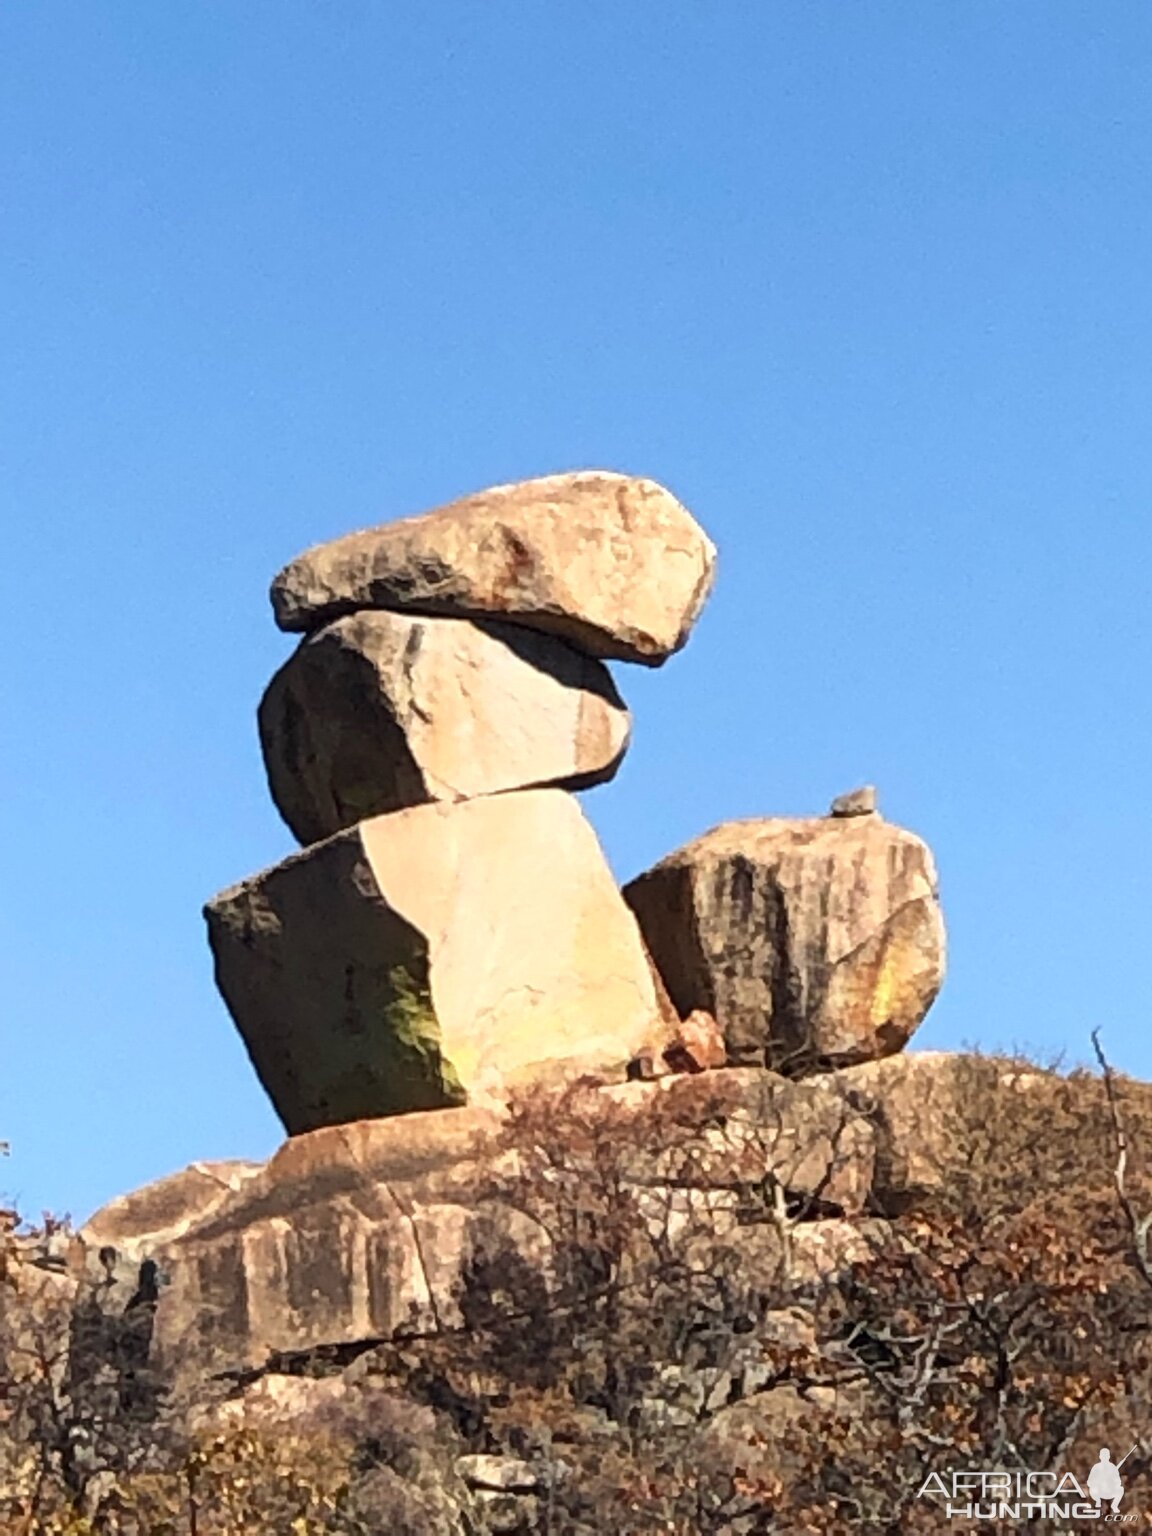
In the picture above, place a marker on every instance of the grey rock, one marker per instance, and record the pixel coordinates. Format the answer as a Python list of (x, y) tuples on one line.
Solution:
[(857, 802)]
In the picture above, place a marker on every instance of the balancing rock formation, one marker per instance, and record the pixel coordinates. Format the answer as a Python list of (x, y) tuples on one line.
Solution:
[(451, 931), (483, 1050)]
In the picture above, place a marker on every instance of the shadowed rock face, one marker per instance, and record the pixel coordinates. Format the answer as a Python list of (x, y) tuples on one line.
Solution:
[(420, 1271), (814, 943), (434, 956), (364, 1231), (613, 564), (379, 711), (328, 985)]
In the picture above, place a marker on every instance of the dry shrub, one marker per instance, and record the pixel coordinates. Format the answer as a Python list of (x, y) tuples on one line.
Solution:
[(651, 1334)]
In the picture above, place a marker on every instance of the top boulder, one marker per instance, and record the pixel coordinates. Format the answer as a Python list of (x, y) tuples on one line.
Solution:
[(612, 564)]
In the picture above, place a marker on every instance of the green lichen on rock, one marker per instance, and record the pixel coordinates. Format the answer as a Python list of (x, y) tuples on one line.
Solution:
[(391, 1046), (412, 1032)]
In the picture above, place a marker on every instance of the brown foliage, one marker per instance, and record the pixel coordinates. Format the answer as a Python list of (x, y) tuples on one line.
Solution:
[(657, 1335)]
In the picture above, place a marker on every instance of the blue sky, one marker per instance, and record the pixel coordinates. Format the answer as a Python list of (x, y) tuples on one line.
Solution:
[(868, 286)]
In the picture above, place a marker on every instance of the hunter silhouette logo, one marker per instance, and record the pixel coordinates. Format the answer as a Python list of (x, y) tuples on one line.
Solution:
[(1022, 1495), (1104, 1481)]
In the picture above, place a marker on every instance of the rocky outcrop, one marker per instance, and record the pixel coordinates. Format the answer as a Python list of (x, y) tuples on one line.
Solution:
[(452, 929), (452, 933), (377, 712), (435, 956), (815, 943), (594, 1212), (613, 564), (368, 1231), (697, 1045), (346, 1235), (167, 1208), (690, 1287)]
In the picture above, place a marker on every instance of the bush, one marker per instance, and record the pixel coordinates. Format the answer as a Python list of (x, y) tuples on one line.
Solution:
[(684, 1329)]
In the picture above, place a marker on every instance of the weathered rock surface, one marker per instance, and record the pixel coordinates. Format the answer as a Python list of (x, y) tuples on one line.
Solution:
[(434, 955), (613, 564), (814, 943), (404, 1261), (945, 1118), (379, 711), (929, 1103), (168, 1207), (857, 802), (697, 1045), (364, 1232), (501, 1474)]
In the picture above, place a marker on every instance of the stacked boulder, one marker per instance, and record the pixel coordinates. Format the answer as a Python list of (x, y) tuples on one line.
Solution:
[(452, 928), (452, 931)]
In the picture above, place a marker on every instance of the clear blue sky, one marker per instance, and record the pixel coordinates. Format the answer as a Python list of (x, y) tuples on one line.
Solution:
[(869, 286)]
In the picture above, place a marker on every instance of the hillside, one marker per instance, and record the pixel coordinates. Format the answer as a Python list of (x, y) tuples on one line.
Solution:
[(721, 1302), (599, 1210)]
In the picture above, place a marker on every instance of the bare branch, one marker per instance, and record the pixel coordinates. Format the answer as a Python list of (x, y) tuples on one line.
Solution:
[(1138, 1225)]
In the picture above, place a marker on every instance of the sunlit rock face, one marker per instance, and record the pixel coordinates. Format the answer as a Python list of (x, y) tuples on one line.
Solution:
[(434, 957), (611, 563), (378, 712), (369, 1230), (814, 943)]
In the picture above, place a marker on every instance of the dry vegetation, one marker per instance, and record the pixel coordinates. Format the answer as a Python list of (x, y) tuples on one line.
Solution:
[(679, 1354)]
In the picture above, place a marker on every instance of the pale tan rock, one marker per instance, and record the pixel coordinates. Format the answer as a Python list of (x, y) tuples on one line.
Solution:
[(350, 1233), (955, 1122), (736, 1132), (432, 957), (814, 943), (273, 1400), (364, 1232), (770, 1431), (368, 1234), (501, 1474), (822, 1250), (924, 1102), (698, 1044), (613, 564), (161, 1211), (379, 711)]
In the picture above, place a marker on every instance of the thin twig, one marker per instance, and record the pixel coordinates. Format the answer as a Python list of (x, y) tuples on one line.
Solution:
[(1138, 1225)]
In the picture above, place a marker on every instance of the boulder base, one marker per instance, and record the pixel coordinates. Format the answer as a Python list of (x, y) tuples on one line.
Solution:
[(432, 957), (364, 1232)]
